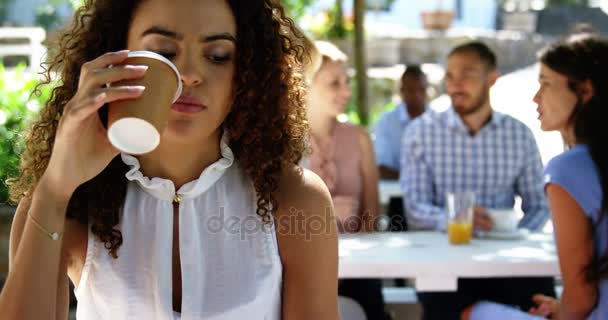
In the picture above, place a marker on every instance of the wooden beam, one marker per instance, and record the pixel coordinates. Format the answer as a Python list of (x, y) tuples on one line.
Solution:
[(360, 61)]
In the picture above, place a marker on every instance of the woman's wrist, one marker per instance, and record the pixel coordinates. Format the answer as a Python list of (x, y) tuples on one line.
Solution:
[(54, 193)]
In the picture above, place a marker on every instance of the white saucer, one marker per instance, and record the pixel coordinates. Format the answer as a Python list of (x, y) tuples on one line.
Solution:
[(513, 235)]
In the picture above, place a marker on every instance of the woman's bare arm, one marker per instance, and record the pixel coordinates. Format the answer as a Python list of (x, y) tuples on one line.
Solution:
[(37, 284), (575, 248), (309, 250), (370, 205)]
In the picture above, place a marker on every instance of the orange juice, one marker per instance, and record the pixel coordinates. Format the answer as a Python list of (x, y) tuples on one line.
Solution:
[(459, 232)]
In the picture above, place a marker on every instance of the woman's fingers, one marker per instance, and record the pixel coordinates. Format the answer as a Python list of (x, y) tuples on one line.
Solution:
[(92, 91), (102, 96), (545, 305), (95, 73), (120, 93), (482, 221), (541, 298), (541, 311), (103, 76), (105, 61)]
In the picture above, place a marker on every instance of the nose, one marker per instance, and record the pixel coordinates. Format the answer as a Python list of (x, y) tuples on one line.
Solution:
[(536, 98), (453, 84), (346, 92), (448, 85), (344, 88), (190, 71), (421, 95), (190, 78)]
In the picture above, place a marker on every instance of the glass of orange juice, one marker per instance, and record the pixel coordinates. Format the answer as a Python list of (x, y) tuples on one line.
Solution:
[(460, 216)]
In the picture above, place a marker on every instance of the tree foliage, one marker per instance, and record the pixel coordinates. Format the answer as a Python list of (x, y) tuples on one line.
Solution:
[(296, 8), (18, 104)]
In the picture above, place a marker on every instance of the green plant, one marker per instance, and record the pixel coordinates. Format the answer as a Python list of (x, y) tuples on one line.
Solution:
[(381, 91), (47, 17), (332, 24), (337, 28), (295, 8), (17, 106), (76, 3)]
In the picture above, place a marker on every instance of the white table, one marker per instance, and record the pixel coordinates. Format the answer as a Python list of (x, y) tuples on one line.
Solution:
[(388, 189), (435, 265)]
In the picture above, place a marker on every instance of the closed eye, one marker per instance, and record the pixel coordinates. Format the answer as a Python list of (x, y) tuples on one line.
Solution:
[(220, 59), (168, 54)]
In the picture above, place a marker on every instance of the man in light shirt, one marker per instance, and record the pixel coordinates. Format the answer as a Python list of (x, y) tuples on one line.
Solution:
[(470, 147), (390, 126)]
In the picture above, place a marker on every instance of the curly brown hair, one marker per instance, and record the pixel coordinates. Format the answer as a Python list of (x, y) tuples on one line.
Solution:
[(266, 124)]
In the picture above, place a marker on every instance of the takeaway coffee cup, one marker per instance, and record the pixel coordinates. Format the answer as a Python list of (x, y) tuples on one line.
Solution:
[(135, 125)]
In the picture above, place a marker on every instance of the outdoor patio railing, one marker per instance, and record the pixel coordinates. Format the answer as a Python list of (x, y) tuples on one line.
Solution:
[(17, 45)]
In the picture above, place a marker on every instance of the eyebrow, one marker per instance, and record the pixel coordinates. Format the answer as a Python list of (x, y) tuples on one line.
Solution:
[(172, 34), (219, 36), (470, 69)]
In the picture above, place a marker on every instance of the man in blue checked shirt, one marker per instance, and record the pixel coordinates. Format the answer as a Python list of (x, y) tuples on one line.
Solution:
[(470, 147), (390, 126)]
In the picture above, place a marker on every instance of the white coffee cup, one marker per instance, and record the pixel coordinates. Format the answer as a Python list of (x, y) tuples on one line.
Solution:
[(505, 220)]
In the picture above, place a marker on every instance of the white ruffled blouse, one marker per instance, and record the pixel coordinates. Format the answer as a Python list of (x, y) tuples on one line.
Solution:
[(230, 262)]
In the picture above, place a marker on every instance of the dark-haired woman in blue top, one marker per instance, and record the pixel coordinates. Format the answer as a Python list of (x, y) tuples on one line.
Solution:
[(573, 99)]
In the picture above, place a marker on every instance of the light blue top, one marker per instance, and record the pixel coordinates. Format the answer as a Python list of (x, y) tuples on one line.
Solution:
[(575, 172), (438, 155), (387, 136)]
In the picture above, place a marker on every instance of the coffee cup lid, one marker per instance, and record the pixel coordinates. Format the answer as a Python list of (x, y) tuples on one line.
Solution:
[(154, 55), (133, 135)]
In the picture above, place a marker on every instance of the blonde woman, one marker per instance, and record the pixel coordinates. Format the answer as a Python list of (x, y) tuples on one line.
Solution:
[(343, 156)]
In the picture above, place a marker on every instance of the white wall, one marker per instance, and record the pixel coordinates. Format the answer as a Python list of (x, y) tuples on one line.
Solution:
[(477, 14)]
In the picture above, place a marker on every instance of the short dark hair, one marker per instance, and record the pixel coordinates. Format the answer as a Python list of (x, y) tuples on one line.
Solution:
[(413, 71), (479, 48)]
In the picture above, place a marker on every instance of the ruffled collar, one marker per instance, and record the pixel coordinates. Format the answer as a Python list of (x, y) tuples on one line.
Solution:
[(164, 189)]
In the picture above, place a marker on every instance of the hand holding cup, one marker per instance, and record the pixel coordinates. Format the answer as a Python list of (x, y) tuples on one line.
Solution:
[(81, 149)]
